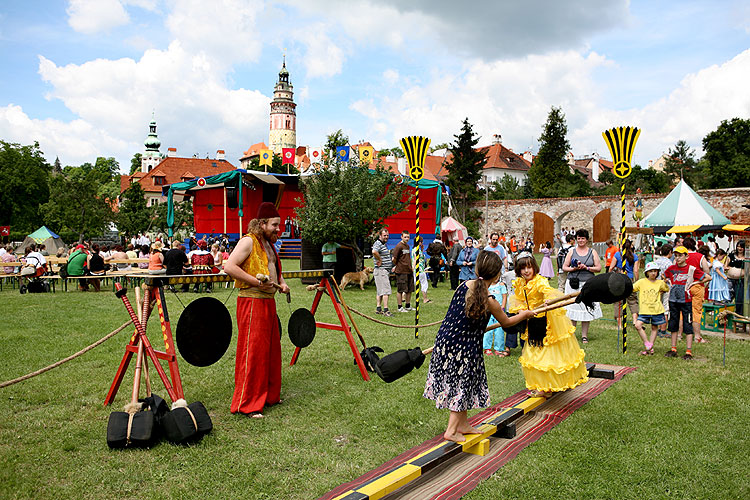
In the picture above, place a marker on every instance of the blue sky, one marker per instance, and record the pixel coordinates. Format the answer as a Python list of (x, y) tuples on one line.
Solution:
[(83, 77)]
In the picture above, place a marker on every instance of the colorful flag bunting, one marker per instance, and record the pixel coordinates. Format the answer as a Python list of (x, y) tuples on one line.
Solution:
[(316, 155), (365, 154), (287, 156), (342, 153), (266, 157)]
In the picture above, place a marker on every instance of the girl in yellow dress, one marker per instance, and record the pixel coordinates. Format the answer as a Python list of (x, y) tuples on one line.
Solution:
[(552, 360)]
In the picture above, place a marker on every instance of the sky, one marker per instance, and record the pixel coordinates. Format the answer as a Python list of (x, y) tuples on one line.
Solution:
[(84, 77)]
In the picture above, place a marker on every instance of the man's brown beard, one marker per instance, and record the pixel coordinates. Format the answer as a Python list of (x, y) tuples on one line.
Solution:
[(271, 237)]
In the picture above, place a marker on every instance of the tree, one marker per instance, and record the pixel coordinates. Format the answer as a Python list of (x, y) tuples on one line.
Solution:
[(507, 188), (397, 152), (134, 215), (464, 173), (727, 158), (442, 145), (135, 163), (335, 140), (76, 203), (550, 175), (681, 164), (57, 167), (106, 172), (648, 179), (346, 202), (24, 176), (183, 217)]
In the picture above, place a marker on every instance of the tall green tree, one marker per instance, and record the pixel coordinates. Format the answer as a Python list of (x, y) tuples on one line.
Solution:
[(727, 158), (507, 188), (135, 163), (397, 152), (334, 140), (183, 217), (550, 175), (76, 200), (24, 176), (464, 173), (682, 164), (346, 202), (647, 179), (133, 215)]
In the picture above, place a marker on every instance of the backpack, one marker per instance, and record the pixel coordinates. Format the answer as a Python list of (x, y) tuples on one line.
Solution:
[(561, 256), (63, 272)]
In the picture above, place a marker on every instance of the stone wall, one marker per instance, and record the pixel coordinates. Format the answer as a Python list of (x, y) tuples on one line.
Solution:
[(517, 216)]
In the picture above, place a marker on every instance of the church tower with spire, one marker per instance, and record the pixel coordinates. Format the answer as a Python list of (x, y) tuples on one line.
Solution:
[(151, 157), (283, 126)]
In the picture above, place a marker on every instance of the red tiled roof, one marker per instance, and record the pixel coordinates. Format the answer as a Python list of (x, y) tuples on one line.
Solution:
[(498, 156), (174, 169), (254, 150)]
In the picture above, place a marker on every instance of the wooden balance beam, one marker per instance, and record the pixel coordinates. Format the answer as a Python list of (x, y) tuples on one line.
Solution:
[(501, 426)]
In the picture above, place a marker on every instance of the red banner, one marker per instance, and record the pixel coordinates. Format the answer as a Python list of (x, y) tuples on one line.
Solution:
[(287, 156), (4, 230)]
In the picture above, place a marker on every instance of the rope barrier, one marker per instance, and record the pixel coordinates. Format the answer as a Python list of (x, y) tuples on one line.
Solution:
[(410, 327), (69, 358)]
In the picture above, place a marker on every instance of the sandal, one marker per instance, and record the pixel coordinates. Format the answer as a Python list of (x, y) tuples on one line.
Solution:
[(502, 354), (585, 340), (644, 353), (701, 341)]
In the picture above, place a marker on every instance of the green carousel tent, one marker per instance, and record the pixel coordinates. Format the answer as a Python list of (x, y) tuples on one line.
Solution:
[(683, 207)]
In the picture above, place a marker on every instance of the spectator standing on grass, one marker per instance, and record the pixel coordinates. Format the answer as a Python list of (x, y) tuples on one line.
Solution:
[(664, 260), (466, 260), (650, 307), (609, 254), (328, 251), (581, 263), (562, 275), (718, 290), (382, 272), (494, 340), (737, 285), (681, 276), (626, 261), (697, 289), (453, 261), (546, 268), (404, 273), (437, 253), (495, 247)]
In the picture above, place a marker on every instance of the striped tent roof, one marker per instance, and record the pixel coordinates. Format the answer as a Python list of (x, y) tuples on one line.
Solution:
[(684, 207)]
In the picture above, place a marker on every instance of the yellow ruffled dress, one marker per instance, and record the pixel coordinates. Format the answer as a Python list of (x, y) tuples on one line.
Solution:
[(559, 364)]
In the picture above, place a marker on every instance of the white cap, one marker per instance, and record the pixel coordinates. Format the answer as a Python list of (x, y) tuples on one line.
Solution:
[(652, 266)]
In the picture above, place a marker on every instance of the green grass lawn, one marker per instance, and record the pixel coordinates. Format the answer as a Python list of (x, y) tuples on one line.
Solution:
[(671, 429)]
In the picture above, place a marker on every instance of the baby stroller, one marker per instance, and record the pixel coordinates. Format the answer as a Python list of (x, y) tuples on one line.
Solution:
[(36, 283)]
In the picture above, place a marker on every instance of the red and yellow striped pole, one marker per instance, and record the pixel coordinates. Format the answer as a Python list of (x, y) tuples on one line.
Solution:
[(415, 149), (621, 143)]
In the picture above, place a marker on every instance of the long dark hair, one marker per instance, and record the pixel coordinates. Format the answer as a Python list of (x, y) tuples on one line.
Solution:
[(487, 268), (627, 248)]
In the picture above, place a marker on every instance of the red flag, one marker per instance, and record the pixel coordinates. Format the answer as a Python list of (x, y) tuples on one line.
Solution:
[(287, 156), (4, 230)]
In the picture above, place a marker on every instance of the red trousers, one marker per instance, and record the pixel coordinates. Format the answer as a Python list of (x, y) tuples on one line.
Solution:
[(257, 370)]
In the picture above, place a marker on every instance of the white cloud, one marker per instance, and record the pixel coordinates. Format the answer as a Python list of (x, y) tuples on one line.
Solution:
[(92, 16), (390, 76), (195, 111), (323, 58), (691, 111), (225, 30)]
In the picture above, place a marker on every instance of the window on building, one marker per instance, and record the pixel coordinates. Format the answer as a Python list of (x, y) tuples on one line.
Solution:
[(158, 180)]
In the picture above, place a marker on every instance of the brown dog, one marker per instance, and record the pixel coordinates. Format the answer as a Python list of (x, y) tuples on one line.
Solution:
[(361, 277)]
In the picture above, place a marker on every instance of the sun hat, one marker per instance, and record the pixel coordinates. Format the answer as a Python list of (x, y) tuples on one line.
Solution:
[(652, 266)]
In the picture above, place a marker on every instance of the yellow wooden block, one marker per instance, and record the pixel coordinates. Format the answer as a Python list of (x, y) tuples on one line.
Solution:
[(530, 404), (481, 448), (344, 495), (391, 481)]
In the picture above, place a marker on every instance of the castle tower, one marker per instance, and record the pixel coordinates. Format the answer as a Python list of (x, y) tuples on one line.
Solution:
[(283, 125), (151, 157)]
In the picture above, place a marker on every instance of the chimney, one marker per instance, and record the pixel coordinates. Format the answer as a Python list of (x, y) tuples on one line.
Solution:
[(171, 152), (528, 156), (651, 164), (220, 155), (497, 139), (402, 166), (595, 167)]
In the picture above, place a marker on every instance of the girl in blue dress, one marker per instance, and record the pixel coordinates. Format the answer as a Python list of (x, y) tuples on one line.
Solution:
[(718, 287), (456, 379)]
